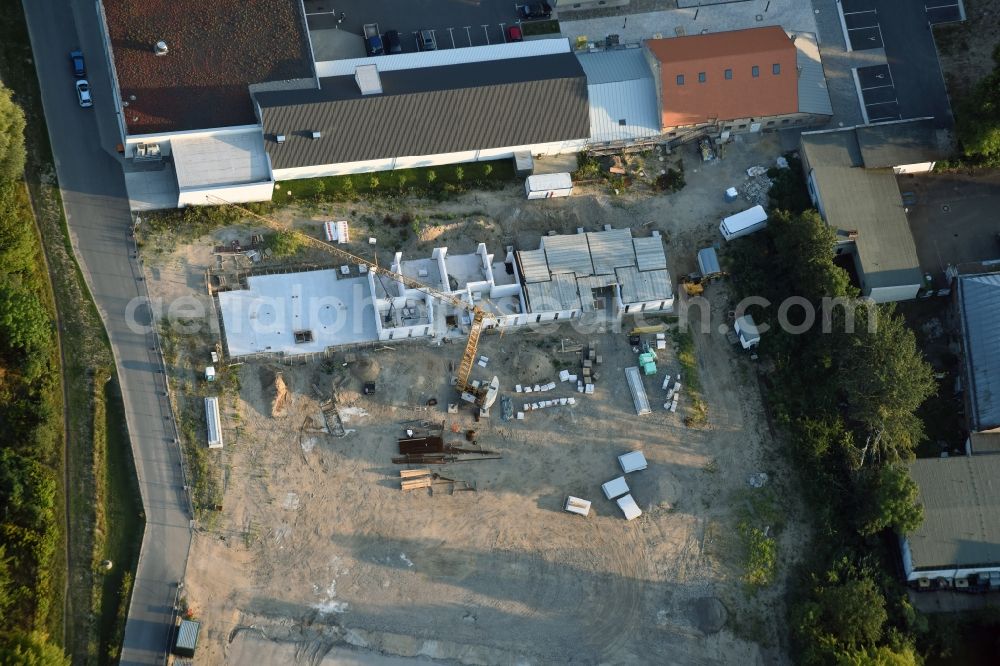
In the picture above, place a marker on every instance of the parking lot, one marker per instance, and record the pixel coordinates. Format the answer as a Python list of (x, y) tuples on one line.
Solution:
[(944, 12), (878, 93), (455, 23), (861, 19)]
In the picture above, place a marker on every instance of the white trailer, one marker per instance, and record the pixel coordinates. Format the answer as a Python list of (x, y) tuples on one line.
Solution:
[(548, 185), (744, 223), (214, 423)]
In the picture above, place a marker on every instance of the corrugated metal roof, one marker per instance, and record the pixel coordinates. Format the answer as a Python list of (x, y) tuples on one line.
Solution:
[(559, 293), (961, 499), (979, 299), (568, 253), (429, 111), (633, 102), (641, 286), (613, 66), (610, 250), (649, 253), (534, 266), (897, 143), (187, 635), (422, 59), (813, 94)]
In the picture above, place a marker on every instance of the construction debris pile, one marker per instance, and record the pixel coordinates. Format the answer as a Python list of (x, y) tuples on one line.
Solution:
[(423, 444), (756, 186)]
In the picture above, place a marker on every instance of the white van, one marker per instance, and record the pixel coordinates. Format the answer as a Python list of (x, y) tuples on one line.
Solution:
[(744, 223)]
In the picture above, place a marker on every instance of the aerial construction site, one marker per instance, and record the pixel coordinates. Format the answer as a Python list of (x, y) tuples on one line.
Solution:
[(494, 443)]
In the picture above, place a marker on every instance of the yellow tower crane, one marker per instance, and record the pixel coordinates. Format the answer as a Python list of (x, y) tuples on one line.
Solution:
[(480, 317)]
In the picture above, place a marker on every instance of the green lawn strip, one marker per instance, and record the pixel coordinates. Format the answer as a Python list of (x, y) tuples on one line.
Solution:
[(433, 182)]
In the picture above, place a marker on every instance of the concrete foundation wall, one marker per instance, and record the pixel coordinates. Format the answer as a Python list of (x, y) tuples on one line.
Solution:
[(235, 193)]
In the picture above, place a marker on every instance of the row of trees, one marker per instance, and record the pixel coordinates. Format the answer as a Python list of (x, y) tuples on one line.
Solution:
[(846, 401), (29, 418)]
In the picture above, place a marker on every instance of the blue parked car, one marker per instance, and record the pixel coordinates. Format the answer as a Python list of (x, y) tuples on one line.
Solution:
[(79, 69)]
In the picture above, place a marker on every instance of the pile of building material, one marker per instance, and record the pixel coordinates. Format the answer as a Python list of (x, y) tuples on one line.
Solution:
[(588, 370), (577, 505), (414, 479), (543, 404), (537, 388), (424, 445), (280, 396), (756, 186), (673, 388), (639, 397)]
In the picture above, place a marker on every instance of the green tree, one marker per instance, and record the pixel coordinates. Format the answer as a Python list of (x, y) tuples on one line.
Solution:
[(840, 618), (431, 176), (885, 379), (285, 243), (32, 649), (6, 582), (459, 173), (373, 183), (808, 243), (25, 329), (487, 170), (978, 118), (17, 243), (11, 137), (890, 501)]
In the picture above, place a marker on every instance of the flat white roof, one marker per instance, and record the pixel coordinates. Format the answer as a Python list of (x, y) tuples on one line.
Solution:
[(629, 507), (220, 159), (213, 422), (265, 317), (615, 487), (633, 461), (535, 47)]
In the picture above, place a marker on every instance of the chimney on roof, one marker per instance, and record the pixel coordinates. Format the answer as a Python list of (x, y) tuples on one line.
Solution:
[(160, 48), (316, 134), (368, 79), (280, 138)]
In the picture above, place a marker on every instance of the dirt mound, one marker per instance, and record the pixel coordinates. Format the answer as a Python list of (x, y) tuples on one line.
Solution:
[(366, 369), (281, 396), (708, 614)]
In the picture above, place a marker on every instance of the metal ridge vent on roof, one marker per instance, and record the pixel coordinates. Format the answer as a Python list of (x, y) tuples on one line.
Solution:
[(536, 47)]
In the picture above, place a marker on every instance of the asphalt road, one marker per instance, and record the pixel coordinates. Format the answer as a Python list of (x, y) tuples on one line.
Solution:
[(96, 204)]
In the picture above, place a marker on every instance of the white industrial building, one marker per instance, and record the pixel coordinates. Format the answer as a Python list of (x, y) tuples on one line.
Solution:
[(598, 274)]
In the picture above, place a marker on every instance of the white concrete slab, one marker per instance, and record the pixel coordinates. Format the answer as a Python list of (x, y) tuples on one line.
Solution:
[(264, 318)]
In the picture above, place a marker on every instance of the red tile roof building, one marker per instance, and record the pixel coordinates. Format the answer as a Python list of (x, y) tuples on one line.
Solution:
[(746, 75)]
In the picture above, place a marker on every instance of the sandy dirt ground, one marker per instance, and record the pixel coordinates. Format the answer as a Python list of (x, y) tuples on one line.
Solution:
[(317, 556)]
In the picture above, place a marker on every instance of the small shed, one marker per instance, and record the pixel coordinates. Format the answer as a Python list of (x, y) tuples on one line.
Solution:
[(747, 331), (629, 507), (708, 262), (187, 638), (615, 488), (633, 461), (210, 373), (548, 185), (213, 422)]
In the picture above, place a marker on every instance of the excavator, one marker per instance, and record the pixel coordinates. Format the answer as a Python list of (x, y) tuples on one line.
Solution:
[(482, 396)]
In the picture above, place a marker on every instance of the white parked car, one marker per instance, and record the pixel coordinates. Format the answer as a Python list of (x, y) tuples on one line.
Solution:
[(83, 93)]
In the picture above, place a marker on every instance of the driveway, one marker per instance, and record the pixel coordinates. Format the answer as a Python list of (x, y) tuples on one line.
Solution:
[(96, 205)]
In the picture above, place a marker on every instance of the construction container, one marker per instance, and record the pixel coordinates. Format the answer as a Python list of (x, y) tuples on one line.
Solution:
[(548, 185), (187, 638)]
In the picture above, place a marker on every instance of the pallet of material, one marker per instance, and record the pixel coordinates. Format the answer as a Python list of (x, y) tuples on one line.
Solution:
[(577, 505), (413, 473), (414, 484)]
